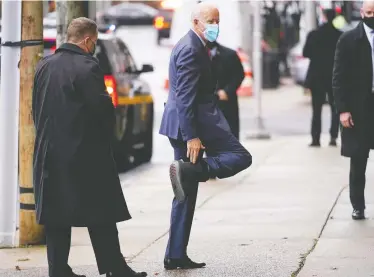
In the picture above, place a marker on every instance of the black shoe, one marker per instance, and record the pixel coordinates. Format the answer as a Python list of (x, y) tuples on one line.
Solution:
[(72, 274), (358, 214), (175, 173), (333, 142), (126, 271), (136, 274), (315, 144), (130, 273), (182, 174), (186, 263)]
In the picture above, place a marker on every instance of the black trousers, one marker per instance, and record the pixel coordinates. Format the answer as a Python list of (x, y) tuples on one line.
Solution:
[(104, 241), (230, 110), (318, 99), (357, 174), (357, 180)]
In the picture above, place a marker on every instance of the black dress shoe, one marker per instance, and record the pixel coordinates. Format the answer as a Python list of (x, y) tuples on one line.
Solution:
[(136, 274), (186, 263), (175, 173), (126, 272), (333, 142), (182, 174), (358, 214), (72, 274), (315, 144)]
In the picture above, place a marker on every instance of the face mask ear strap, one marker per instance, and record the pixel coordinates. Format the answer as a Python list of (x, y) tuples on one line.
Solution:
[(85, 44)]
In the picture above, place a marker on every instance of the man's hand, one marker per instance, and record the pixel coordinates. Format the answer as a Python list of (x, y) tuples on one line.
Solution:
[(346, 120), (222, 95), (193, 149)]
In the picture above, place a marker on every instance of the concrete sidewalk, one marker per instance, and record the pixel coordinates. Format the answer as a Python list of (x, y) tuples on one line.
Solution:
[(288, 213)]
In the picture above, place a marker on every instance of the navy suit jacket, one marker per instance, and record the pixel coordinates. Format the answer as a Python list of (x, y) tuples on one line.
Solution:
[(191, 109)]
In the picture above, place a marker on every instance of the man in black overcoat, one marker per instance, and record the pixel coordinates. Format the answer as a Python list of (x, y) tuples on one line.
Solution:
[(353, 89), (230, 74), (75, 176), (320, 49)]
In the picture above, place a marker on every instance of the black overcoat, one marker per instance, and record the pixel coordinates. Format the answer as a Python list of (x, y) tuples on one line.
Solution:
[(230, 74), (75, 177), (320, 49), (352, 87)]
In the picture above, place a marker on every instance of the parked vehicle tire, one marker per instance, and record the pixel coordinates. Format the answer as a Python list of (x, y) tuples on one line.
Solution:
[(124, 148), (158, 40), (144, 155)]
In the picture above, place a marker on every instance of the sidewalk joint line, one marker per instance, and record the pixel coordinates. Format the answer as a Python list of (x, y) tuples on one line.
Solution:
[(130, 259), (224, 189), (304, 256)]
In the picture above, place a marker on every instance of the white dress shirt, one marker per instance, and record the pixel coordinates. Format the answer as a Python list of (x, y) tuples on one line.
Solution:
[(202, 41), (370, 35)]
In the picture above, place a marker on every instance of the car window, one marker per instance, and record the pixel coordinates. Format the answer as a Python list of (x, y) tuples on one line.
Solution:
[(101, 54), (129, 61), (115, 59), (131, 12)]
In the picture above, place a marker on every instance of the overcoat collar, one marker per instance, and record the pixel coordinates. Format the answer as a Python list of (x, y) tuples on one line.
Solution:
[(72, 48)]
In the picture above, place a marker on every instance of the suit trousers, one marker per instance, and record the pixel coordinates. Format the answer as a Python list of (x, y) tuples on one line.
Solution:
[(357, 174), (225, 158), (230, 110), (104, 241), (357, 181), (318, 99)]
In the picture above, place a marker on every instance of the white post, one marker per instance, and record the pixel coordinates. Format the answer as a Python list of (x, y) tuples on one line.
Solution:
[(61, 21), (92, 9), (101, 5), (310, 16), (9, 116), (261, 132)]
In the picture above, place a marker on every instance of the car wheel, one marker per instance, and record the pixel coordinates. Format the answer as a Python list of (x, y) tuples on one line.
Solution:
[(144, 155), (123, 151), (158, 40)]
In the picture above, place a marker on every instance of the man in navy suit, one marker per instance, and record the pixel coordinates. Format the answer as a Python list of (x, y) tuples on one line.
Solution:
[(194, 124)]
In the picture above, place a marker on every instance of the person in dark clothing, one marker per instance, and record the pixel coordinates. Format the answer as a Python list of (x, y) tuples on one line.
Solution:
[(230, 74), (353, 89), (320, 49), (75, 176)]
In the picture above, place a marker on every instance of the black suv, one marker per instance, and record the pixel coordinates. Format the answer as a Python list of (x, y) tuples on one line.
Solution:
[(131, 97)]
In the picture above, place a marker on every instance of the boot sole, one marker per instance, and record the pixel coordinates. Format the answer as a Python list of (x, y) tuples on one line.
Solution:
[(175, 173)]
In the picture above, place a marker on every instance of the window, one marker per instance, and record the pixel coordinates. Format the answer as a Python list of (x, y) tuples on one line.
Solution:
[(102, 56), (129, 61)]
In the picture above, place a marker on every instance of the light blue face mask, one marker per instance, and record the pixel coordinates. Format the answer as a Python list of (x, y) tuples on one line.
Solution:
[(211, 32)]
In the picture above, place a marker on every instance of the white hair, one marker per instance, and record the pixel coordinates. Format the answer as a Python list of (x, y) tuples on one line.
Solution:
[(200, 9), (367, 3)]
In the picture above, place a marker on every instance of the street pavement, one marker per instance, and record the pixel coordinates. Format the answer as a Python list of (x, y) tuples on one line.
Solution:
[(287, 215)]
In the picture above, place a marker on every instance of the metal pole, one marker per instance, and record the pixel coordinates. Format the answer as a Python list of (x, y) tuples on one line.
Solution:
[(261, 132), (32, 29), (92, 9), (9, 114), (310, 16), (76, 9), (66, 12), (61, 21)]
